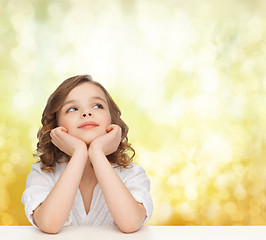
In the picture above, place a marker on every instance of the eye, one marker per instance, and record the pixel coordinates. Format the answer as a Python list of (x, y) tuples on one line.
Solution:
[(72, 109), (98, 106)]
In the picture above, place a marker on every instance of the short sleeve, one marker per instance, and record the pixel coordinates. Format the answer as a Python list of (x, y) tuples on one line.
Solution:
[(38, 186), (138, 185)]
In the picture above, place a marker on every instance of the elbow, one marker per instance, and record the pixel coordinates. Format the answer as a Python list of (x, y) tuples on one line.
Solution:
[(129, 229), (47, 223), (130, 226), (132, 223), (50, 230), (50, 227)]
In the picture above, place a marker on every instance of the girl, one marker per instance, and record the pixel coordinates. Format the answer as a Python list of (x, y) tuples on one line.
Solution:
[(85, 175)]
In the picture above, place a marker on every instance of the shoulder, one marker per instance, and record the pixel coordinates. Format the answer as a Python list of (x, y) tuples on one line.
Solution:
[(129, 172), (37, 171), (38, 167), (132, 168)]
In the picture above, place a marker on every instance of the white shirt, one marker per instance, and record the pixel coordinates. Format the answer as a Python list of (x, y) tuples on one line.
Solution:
[(39, 184)]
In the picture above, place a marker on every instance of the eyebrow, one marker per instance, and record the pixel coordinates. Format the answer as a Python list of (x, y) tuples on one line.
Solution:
[(73, 100)]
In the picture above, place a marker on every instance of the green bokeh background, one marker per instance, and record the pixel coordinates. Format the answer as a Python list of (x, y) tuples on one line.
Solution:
[(189, 77)]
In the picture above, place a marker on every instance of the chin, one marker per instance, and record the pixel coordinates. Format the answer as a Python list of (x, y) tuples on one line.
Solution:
[(88, 140)]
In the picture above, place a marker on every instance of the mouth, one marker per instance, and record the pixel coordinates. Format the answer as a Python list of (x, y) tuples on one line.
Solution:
[(88, 125)]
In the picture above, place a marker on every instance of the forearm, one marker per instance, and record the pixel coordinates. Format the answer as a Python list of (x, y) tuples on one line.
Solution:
[(54, 211), (128, 214)]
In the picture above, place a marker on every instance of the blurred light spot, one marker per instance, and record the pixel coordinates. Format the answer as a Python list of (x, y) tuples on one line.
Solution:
[(255, 30), (3, 156), (33, 132), (2, 140), (165, 211), (206, 106), (13, 132), (236, 106), (7, 89), (188, 173), (254, 202), (224, 180), (240, 193), (7, 219), (210, 81), (15, 158), (7, 168), (212, 211), (247, 66), (219, 148), (186, 211), (254, 211), (188, 63), (55, 10), (187, 133), (224, 194), (239, 171), (191, 192), (230, 208), (177, 106), (19, 55), (23, 100), (4, 200), (173, 181)]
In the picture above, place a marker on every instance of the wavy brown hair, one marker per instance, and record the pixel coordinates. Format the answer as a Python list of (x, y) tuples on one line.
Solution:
[(49, 154)]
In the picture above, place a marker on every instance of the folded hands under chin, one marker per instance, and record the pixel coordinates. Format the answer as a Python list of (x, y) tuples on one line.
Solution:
[(66, 142), (107, 143)]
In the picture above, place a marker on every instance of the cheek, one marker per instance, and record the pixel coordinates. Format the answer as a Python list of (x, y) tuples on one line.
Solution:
[(109, 120), (60, 119), (63, 122)]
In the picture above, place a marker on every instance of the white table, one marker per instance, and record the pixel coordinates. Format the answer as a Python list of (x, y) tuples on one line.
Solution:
[(146, 233)]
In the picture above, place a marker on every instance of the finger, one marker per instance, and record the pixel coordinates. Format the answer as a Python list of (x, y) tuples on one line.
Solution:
[(60, 132), (116, 132), (52, 133), (63, 129), (55, 137), (53, 142), (109, 128), (117, 128)]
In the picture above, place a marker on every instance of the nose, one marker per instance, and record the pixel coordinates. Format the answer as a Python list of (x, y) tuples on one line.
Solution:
[(84, 115)]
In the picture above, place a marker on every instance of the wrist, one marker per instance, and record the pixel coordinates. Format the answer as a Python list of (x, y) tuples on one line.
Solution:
[(81, 151), (95, 153)]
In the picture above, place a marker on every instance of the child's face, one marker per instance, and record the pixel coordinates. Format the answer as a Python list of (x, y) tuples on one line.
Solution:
[(85, 104)]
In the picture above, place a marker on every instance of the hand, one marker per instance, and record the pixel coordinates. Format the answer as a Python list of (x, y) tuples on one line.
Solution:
[(107, 143), (66, 142)]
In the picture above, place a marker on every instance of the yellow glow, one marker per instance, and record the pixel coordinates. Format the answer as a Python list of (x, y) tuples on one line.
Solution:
[(189, 77)]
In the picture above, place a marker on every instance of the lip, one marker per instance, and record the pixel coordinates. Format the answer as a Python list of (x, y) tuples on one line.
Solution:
[(88, 125)]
